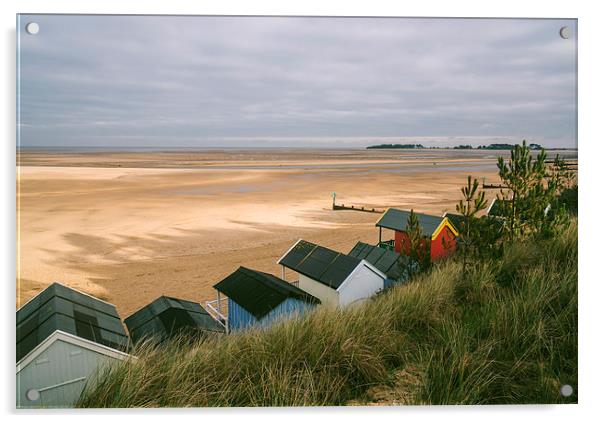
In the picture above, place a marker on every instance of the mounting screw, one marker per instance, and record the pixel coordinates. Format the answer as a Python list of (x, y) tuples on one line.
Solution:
[(32, 394), (565, 32), (566, 390), (32, 28)]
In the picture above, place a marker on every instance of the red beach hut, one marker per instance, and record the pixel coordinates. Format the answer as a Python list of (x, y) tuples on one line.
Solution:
[(439, 233)]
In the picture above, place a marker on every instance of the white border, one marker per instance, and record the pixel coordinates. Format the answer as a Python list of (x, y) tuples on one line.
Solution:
[(590, 173)]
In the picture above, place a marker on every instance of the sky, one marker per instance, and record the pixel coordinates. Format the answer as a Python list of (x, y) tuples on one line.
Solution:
[(168, 81)]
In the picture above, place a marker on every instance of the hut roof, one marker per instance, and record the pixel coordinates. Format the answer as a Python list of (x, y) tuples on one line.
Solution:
[(499, 208), (398, 219), (387, 261), (258, 292), (167, 316), (321, 264), (457, 220), (61, 308)]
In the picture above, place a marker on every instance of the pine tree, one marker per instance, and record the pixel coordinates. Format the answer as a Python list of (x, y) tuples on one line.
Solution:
[(531, 203), (524, 179), (473, 202), (418, 248)]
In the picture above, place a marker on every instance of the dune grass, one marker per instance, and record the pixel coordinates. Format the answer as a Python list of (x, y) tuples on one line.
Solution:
[(504, 332)]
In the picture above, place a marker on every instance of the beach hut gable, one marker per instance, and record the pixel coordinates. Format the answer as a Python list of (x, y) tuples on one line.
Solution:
[(365, 281), (390, 263), (457, 221), (239, 318), (56, 371), (71, 339), (445, 224)]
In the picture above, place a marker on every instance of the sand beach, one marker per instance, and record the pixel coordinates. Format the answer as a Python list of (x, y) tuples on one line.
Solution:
[(131, 226)]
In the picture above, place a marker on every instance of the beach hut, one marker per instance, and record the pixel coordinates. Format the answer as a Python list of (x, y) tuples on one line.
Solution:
[(457, 220), (499, 208), (333, 277), (64, 338), (258, 299), (395, 266), (168, 317), (439, 233)]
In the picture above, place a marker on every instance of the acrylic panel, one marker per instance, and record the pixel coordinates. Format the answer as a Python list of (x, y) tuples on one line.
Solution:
[(391, 202)]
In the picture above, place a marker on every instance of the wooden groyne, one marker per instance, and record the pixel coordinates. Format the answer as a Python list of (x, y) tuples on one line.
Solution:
[(336, 206), (356, 208)]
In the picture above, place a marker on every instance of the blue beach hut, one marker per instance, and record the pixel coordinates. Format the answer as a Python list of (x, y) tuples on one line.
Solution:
[(258, 298)]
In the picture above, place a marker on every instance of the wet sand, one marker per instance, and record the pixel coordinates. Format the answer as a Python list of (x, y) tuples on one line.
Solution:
[(129, 227)]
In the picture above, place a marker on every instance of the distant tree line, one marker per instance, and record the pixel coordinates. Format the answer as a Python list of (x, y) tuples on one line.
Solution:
[(495, 146), (395, 146), (503, 146)]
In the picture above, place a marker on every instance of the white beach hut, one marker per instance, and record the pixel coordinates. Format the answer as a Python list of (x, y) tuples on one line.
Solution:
[(332, 277), (64, 338)]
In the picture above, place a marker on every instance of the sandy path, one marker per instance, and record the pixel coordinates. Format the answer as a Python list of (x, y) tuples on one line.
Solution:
[(129, 235)]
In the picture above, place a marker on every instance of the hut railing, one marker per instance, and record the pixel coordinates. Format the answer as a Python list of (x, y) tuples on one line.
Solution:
[(215, 312), (387, 245)]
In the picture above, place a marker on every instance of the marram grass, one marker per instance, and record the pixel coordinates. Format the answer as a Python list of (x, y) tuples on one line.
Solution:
[(505, 332)]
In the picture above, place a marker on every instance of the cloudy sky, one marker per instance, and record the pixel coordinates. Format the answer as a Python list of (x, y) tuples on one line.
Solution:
[(347, 82)]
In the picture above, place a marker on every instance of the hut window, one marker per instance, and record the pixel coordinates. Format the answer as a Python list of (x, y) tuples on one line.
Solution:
[(86, 326)]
